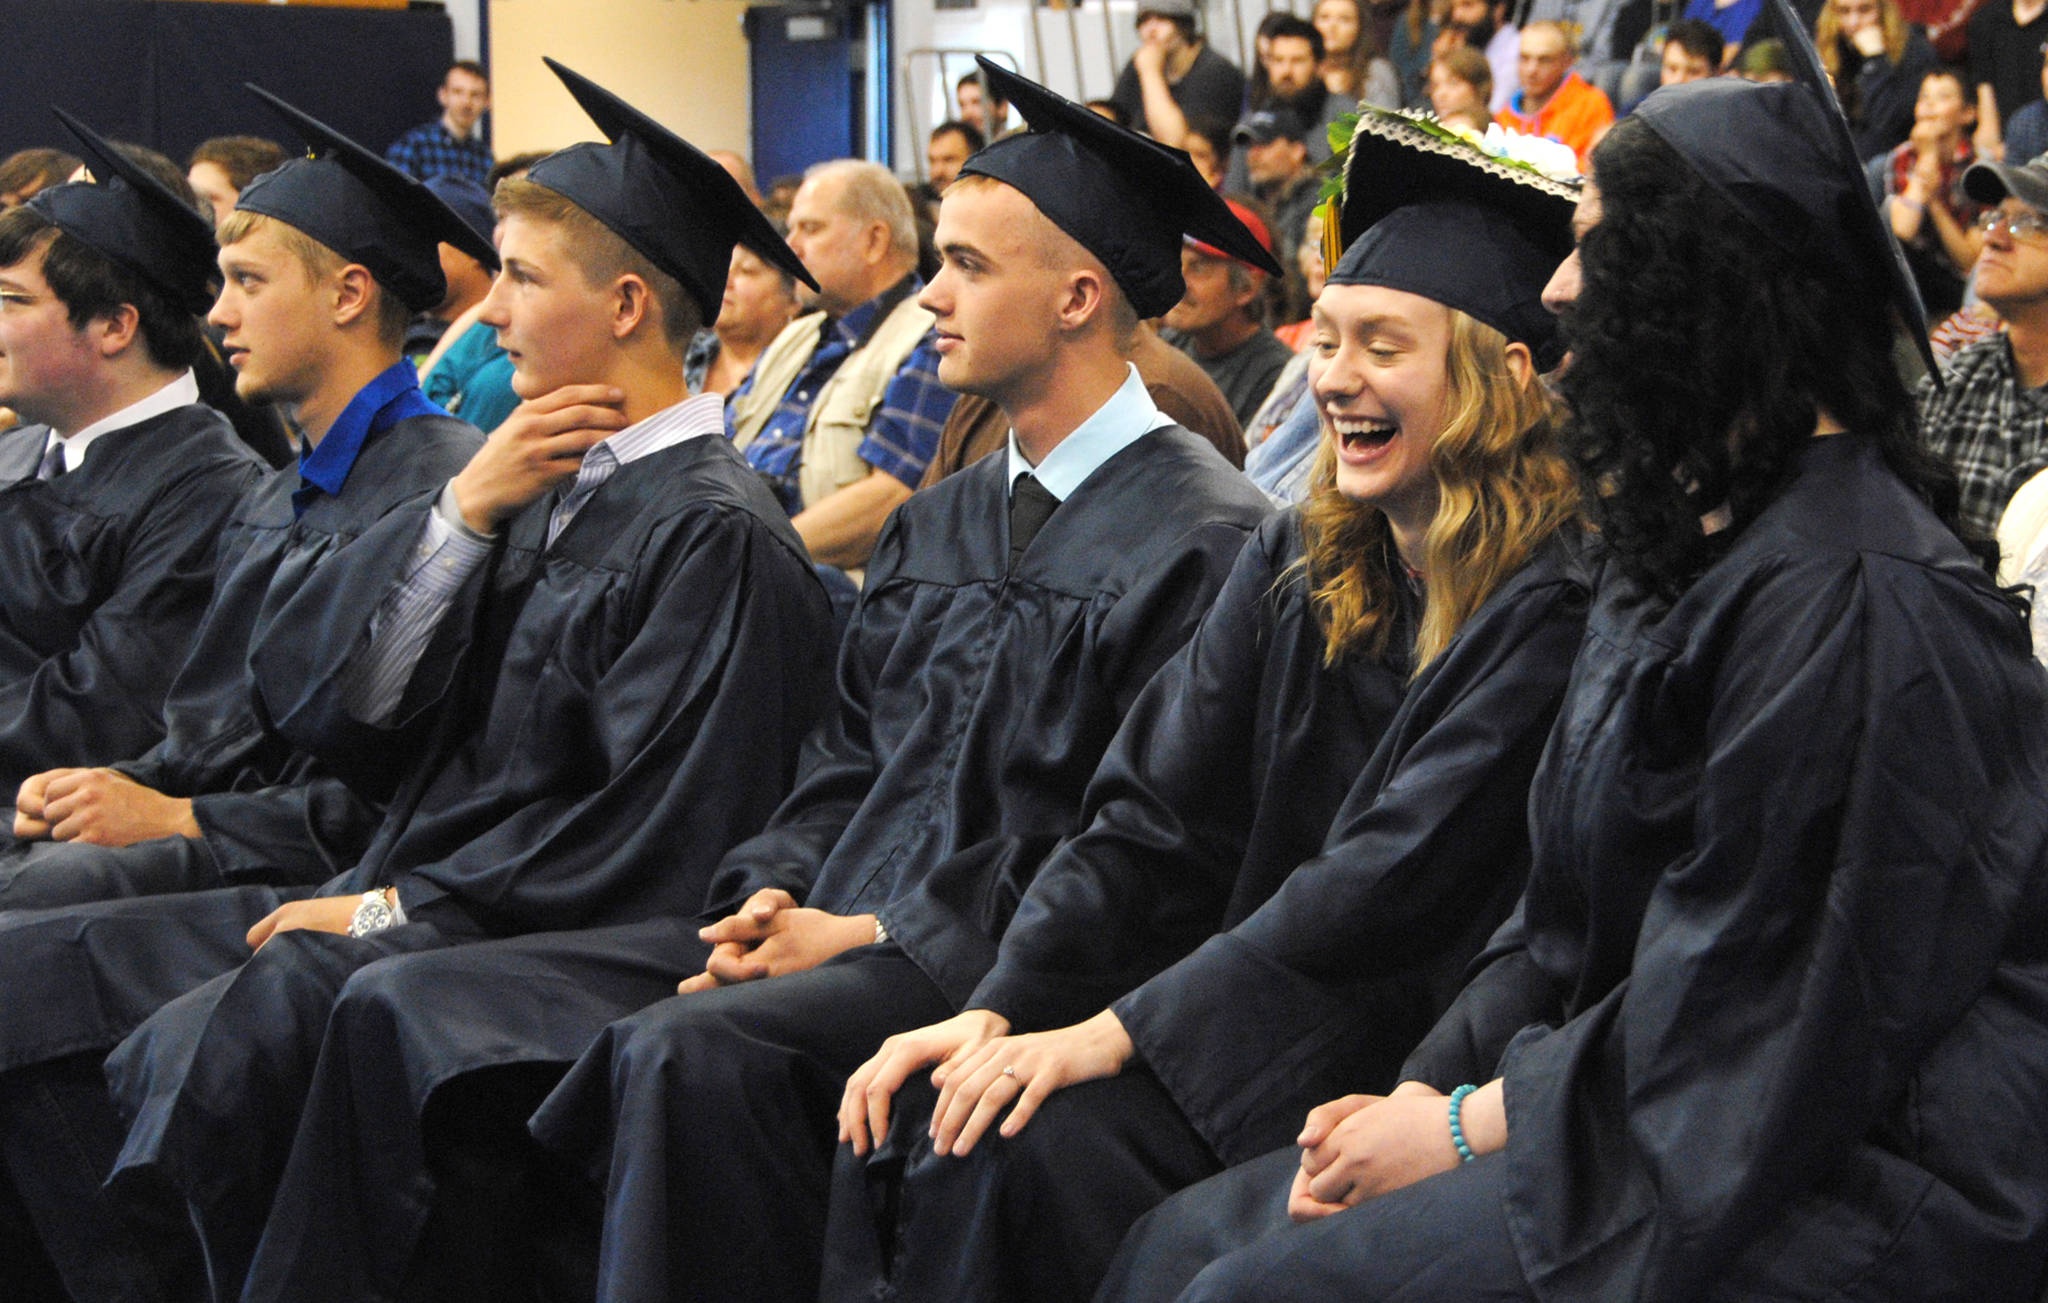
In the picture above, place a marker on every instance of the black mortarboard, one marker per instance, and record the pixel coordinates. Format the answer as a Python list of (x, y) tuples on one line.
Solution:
[(1126, 199), (1780, 153), (662, 195), (1430, 213), (364, 209), (128, 215)]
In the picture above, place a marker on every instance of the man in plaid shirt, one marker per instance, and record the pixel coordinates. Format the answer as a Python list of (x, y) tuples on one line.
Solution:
[(1990, 419), (851, 225), (452, 144)]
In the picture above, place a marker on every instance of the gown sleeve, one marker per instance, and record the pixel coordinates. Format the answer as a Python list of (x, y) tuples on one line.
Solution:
[(1863, 836), (1362, 946), (103, 697)]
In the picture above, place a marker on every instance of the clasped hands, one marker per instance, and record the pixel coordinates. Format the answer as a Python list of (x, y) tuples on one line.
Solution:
[(100, 807), (771, 935)]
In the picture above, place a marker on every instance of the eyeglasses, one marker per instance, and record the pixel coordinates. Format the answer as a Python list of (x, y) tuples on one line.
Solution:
[(2029, 225)]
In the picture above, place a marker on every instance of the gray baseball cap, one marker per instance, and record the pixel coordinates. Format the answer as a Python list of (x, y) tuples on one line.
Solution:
[(1990, 183)]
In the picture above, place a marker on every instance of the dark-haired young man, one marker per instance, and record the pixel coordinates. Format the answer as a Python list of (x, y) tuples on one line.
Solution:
[(118, 489), (221, 801), (585, 665)]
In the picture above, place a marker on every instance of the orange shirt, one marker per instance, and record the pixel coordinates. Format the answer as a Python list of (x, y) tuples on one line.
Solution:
[(1576, 116)]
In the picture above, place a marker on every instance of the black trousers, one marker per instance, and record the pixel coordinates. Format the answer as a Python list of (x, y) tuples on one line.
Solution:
[(709, 1120), (1442, 1240), (1034, 1217)]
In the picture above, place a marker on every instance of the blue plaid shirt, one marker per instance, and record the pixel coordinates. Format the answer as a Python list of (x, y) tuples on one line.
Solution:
[(904, 435), (429, 150)]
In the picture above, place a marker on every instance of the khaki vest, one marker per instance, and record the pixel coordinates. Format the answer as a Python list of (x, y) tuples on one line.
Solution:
[(841, 410)]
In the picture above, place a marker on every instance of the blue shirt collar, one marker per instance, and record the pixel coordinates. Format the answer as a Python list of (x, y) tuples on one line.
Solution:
[(392, 397), (1127, 417), (858, 324)]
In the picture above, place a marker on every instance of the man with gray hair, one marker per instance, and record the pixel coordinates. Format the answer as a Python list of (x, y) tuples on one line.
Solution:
[(843, 411)]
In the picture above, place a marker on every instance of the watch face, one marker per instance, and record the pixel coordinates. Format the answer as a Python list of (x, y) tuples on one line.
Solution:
[(371, 916)]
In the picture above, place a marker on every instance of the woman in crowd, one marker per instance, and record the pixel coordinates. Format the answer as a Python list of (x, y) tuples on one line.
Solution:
[(1208, 145), (1353, 65), (1415, 32), (1771, 1020), (1460, 85), (1876, 60), (1441, 531)]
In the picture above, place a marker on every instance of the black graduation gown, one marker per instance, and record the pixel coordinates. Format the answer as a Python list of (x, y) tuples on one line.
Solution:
[(607, 715), (974, 704), (1319, 976), (269, 813), (1772, 1019), (104, 575)]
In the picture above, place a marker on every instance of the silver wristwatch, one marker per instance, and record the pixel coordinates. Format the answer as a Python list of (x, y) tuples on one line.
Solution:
[(372, 915)]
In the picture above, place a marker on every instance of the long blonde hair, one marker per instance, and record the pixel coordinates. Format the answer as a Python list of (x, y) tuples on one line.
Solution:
[(1502, 488), (1827, 28)]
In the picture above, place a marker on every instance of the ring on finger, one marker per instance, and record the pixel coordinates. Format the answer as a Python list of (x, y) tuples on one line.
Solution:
[(1009, 1070)]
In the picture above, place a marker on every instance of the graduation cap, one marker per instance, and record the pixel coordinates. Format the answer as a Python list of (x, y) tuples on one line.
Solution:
[(1428, 212), (662, 195), (1126, 199), (1780, 153), (364, 209), (128, 215)]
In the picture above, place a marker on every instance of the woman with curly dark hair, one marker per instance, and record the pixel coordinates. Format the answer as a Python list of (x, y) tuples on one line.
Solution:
[(1771, 1020)]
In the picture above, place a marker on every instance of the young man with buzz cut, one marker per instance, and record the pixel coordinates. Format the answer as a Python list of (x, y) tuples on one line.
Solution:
[(585, 664), (114, 492), (1012, 614), (309, 326)]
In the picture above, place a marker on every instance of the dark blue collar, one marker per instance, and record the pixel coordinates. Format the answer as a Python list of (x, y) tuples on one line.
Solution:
[(384, 402)]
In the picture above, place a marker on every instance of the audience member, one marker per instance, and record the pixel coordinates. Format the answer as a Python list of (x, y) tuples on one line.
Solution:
[(220, 801), (27, 171), (219, 169), (950, 145), (453, 143), (1876, 60), (1173, 74), (1591, 25), (1930, 212), (123, 480), (1355, 69), (1731, 18), (2026, 132), (1554, 101), (1692, 50), (2005, 43), (1282, 178), (781, 193), (844, 408), (1292, 84), (1764, 61), (2023, 552), (1108, 109), (969, 99), (1207, 141), (1413, 42), (737, 167), (518, 166), (1461, 86), (645, 650), (1220, 321), (759, 302), (1990, 418), (465, 273)]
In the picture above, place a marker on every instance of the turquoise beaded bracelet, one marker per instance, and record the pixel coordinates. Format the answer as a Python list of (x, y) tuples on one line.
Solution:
[(1457, 1123)]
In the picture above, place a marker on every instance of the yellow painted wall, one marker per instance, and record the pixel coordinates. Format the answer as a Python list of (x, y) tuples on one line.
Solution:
[(682, 62)]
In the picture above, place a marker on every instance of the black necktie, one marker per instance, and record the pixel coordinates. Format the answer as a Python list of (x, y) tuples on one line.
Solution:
[(1031, 505), (53, 463)]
